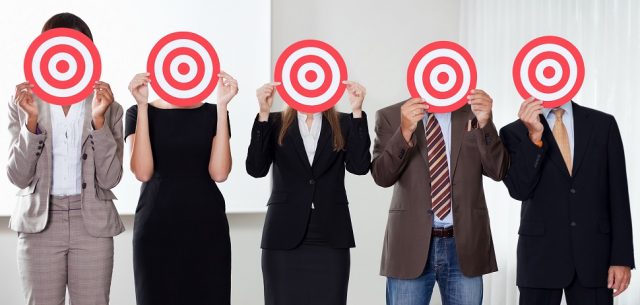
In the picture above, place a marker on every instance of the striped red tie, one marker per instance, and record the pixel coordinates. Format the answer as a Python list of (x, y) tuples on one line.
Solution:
[(438, 169)]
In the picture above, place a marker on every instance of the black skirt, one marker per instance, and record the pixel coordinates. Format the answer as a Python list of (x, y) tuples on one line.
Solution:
[(311, 274)]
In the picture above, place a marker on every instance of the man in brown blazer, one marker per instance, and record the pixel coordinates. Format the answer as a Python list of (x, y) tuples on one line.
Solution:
[(438, 226)]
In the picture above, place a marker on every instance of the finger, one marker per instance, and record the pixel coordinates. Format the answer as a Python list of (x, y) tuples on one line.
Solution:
[(478, 91), (414, 101), (225, 75)]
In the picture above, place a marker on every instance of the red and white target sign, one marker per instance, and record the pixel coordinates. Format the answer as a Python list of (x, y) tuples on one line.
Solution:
[(62, 64), (311, 73), (550, 69), (442, 73), (183, 68)]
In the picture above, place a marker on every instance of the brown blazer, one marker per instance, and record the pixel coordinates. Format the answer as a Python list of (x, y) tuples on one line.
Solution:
[(395, 163), (30, 169)]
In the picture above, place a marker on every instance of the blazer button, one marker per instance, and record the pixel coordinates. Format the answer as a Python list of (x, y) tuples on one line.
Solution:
[(40, 142), (573, 224), (430, 212), (84, 156), (84, 185), (37, 154), (312, 182), (573, 191)]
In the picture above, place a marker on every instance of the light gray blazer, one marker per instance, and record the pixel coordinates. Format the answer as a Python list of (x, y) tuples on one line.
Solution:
[(30, 169)]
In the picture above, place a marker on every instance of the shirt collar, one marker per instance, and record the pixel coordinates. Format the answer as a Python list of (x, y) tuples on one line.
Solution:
[(568, 109), (303, 116)]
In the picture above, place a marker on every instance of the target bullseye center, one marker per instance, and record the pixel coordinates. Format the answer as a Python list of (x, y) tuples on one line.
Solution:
[(549, 72), (62, 66), (183, 68), (311, 76), (443, 77)]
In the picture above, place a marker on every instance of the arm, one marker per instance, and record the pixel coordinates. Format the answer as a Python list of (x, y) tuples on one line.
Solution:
[(357, 143), (24, 150), (109, 151), (25, 145), (357, 155), (526, 159), (390, 152), (621, 233), (493, 155), (261, 147), (220, 159), (141, 162)]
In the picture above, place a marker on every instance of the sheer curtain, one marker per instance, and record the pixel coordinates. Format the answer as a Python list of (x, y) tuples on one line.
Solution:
[(607, 33)]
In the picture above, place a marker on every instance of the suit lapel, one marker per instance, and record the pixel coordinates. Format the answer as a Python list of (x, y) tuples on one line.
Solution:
[(86, 126), (421, 141), (554, 150), (581, 135), (459, 121), (323, 141), (296, 138)]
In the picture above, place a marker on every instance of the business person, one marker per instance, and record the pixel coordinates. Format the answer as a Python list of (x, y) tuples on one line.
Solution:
[(438, 226), (568, 169), (181, 247), (307, 231), (65, 160)]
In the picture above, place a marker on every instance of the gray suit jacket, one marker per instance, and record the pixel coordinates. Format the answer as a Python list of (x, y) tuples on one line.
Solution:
[(30, 169), (395, 163)]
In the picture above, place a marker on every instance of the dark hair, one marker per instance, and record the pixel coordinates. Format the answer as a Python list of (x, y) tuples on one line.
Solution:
[(67, 20)]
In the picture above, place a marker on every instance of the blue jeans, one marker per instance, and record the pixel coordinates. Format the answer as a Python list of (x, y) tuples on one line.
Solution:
[(442, 267)]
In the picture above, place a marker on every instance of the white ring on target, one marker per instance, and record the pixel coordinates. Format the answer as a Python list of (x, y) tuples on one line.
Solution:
[(44, 85), (573, 72), (335, 71), (193, 68), (302, 76), (466, 77), (433, 77), (556, 75), (162, 82), (53, 66)]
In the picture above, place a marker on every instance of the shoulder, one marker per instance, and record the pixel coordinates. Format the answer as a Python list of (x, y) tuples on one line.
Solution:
[(391, 109), (512, 129), (596, 116), (133, 110), (116, 109)]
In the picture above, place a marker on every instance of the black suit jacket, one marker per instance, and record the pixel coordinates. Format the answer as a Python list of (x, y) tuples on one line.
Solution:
[(570, 224), (297, 183)]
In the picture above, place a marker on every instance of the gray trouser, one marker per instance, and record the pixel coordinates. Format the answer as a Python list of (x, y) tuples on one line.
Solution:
[(62, 255)]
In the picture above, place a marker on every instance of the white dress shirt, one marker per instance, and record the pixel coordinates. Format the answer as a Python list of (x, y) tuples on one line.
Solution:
[(444, 120), (310, 135), (567, 119), (66, 148)]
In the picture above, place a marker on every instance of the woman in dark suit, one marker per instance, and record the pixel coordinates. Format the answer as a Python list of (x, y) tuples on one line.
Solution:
[(307, 232)]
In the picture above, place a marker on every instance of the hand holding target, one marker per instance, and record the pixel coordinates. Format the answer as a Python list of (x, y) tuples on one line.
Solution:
[(265, 99), (139, 88), (481, 104), (356, 94), (412, 112), (529, 114), (102, 99), (227, 88), (24, 99)]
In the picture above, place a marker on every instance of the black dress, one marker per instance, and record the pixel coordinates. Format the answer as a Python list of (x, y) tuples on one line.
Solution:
[(181, 246)]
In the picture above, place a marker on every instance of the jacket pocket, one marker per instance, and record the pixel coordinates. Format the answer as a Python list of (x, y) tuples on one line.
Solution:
[(277, 198), (531, 229), (29, 189)]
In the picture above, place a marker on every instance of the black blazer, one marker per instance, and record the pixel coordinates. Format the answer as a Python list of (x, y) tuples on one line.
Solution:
[(296, 183), (579, 224)]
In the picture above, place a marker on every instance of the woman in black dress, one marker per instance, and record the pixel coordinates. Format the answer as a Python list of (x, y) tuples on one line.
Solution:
[(181, 246), (307, 231)]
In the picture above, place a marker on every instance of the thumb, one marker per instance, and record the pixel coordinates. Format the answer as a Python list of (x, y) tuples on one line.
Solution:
[(610, 279)]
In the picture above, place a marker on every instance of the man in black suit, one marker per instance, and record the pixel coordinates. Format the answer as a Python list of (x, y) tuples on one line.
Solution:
[(568, 168)]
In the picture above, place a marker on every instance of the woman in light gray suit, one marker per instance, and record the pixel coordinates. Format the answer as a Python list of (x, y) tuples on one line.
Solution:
[(65, 160)]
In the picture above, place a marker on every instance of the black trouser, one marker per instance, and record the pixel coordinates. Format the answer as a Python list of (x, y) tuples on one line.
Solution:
[(575, 293)]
